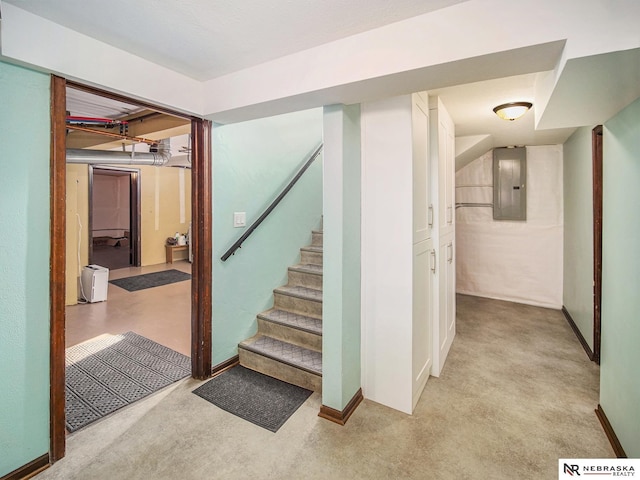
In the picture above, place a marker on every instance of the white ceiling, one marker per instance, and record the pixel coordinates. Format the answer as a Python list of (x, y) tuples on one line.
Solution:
[(478, 129), (205, 39)]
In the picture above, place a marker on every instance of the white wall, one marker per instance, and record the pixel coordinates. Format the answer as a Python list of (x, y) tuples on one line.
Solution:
[(387, 261), (514, 261), (111, 209), (578, 228)]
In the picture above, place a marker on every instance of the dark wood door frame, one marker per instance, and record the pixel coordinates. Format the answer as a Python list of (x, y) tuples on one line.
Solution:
[(134, 210), (58, 227), (201, 206), (202, 261), (597, 239)]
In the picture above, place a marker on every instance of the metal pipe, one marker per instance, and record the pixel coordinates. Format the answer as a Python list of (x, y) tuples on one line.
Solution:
[(92, 157)]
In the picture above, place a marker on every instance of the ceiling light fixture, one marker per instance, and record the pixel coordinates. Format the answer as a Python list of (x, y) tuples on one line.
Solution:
[(513, 110)]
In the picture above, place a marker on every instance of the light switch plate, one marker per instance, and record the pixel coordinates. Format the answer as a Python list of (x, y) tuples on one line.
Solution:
[(239, 219)]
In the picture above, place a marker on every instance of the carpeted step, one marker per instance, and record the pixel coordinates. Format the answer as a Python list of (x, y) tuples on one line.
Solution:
[(285, 361), (306, 275), (302, 300), (317, 238), (291, 327), (311, 255)]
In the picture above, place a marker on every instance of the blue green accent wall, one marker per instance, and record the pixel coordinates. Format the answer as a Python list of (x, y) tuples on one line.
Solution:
[(620, 360), (24, 266), (252, 162), (578, 231), (341, 280)]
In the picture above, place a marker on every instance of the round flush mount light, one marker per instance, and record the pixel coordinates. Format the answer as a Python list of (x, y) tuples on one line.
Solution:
[(512, 111)]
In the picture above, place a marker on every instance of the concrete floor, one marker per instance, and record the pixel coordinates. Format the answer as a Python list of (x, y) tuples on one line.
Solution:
[(517, 393), (162, 314)]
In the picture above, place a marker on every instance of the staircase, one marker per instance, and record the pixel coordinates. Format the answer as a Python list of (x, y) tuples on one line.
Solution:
[(288, 345)]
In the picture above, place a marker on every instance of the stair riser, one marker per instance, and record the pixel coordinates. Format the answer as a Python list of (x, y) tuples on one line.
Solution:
[(298, 305), (309, 280), (290, 335), (316, 239), (314, 258), (278, 370)]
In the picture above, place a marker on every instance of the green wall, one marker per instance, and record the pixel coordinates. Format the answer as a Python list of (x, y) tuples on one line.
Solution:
[(341, 279), (620, 362), (252, 162), (24, 266), (578, 231)]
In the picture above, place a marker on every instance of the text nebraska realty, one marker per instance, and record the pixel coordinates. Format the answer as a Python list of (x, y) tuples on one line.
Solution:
[(613, 470)]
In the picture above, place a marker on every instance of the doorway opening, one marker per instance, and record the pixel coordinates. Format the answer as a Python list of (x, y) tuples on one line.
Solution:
[(70, 253), (114, 217)]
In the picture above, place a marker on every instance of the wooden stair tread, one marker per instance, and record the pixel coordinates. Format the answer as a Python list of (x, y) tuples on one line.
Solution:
[(288, 353), (293, 320)]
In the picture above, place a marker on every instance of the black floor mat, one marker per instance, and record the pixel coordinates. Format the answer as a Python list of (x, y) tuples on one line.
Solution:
[(113, 371), (257, 398), (150, 280)]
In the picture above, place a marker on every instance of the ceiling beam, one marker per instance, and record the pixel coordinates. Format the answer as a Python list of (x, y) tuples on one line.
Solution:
[(152, 127)]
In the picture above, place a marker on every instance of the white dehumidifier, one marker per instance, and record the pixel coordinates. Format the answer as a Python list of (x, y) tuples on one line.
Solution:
[(94, 283)]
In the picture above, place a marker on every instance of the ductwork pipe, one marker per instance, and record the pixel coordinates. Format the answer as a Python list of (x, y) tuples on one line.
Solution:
[(93, 157)]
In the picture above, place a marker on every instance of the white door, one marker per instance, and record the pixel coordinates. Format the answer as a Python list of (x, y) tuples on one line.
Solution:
[(422, 304)]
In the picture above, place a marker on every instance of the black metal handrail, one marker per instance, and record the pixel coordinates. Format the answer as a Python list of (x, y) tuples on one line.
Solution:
[(273, 205)]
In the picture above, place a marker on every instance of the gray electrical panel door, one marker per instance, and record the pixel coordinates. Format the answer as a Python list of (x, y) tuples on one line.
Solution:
[(509, 183)]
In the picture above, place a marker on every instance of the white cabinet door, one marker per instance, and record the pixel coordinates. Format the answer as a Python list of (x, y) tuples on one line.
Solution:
[(450, 285), (422, 342), (445, 320), (446, 171), (419, 151)]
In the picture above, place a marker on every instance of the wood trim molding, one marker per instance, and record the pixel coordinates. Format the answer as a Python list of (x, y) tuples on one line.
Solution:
[(30, 469), (596, 140), (611, 434), (201, 208), (224, 366), (578, 333), (341, 417), (57, 267)]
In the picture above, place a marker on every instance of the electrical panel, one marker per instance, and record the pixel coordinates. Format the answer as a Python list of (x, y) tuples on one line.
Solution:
[(509, 183)]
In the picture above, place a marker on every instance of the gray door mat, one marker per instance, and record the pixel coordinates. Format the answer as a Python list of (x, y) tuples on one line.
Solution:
[(150, 280), (257, 398), (112, 371)]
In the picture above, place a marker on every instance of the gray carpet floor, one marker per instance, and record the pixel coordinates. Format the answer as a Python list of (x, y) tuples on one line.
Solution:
[(112, 371), (516, 394)]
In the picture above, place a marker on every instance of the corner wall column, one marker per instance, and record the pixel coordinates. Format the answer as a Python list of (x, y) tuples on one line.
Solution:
[(341, 283)]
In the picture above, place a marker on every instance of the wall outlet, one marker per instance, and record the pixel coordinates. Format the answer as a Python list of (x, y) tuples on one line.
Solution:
[(239, 219)]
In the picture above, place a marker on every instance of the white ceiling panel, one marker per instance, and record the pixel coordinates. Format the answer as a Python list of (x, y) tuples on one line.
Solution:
[(471, 107), (205, 39)]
